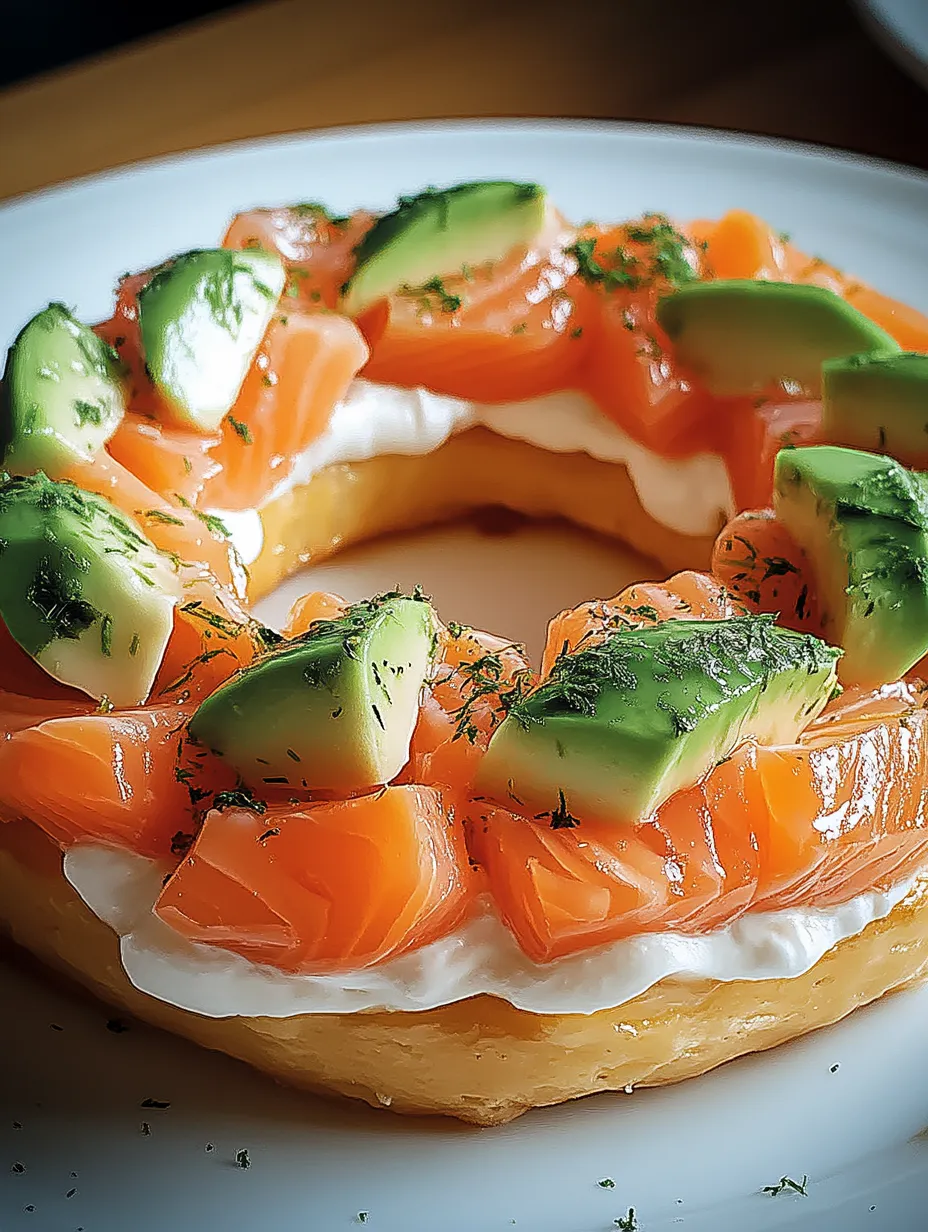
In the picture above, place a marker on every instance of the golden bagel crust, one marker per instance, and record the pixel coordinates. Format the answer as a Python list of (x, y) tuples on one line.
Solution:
[(349, 502), (480, 1060)]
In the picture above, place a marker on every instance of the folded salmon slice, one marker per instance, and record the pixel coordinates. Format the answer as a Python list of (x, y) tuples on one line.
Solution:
[(174, 527), (511, 329), (323, 887), (120, 777), (686, 596), (760, 562), (303, 367), (813, 824), (477, 678), (317, 250)]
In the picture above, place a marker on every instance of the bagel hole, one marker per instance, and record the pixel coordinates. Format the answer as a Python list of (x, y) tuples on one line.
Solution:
[(496, 570)]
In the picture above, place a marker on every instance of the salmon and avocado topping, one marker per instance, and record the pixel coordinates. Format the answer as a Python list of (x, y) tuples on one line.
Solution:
[(334, 709), (740, 336), (201, 319), (62, 395), (82, 590), (862, 520), (618, 727), (878, 402), (441, 232)]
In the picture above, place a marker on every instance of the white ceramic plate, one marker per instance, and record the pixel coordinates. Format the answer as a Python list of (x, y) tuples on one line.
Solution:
[(902, 28), (844, 1107)]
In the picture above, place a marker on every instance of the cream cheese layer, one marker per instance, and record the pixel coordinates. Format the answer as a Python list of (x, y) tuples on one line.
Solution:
[(688, 495), (482, 956)]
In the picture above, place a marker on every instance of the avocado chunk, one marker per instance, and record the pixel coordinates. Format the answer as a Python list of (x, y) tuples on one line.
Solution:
[(877, 402), (333, 710), (439, 232), (619, 727), (740, 336), (62, 396), (862, 519), (201, 318), (82, 590)]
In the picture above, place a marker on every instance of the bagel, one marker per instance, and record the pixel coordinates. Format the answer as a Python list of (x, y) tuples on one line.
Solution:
[(480, 1057)]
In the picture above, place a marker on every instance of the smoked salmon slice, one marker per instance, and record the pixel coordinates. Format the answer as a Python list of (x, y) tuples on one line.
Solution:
[(630, 371), (760, 562), (316, 248), (111, 777), (814, 823), (210, 641), (512, 329), (317, 605), (477, 678), (685, 596), (191, 537), (18, 711), (303, 367), (324, 887), (165, 459)]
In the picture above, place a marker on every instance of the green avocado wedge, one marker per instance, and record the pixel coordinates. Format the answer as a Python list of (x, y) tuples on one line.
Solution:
[(61, 397), (332, 710), (439, 232), (740, 336), (878, 402), (862, 519), (201, 319), (82, 590), (619, 727)]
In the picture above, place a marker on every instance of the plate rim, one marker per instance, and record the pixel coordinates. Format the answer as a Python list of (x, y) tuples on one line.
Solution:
[(538, 126)]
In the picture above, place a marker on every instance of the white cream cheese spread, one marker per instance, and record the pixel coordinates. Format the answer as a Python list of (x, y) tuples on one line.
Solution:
[(688, 495), (481, 956)]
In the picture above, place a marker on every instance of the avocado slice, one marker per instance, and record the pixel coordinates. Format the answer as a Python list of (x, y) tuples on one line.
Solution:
[(877, 402), (439, 232), (61, 397), (740, 336), (333, 710), (620, 726), (82, 590), (862, 519), (201, 318)]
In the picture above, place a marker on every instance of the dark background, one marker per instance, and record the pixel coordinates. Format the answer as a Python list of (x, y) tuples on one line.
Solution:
[(39, 35)]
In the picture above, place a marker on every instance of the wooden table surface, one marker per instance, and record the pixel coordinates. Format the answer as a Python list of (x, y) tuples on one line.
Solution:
[(807, 70)]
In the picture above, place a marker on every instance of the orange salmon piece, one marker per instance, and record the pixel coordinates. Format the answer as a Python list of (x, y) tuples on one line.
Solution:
[(18, 711), (317, 605), (685, 596), (741, 245), (512, 329), (327, 886), (757, 559), (750, 432), (165, 459), (563, 890), (812, 824), (109, 777), (211, 639), (630, 371), (907, 325), (477, 678), (316, 249), (177, 529), (841, 811), (303, 367)]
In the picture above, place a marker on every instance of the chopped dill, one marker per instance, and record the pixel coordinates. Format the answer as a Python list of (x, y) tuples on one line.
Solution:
[(241, 429)]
